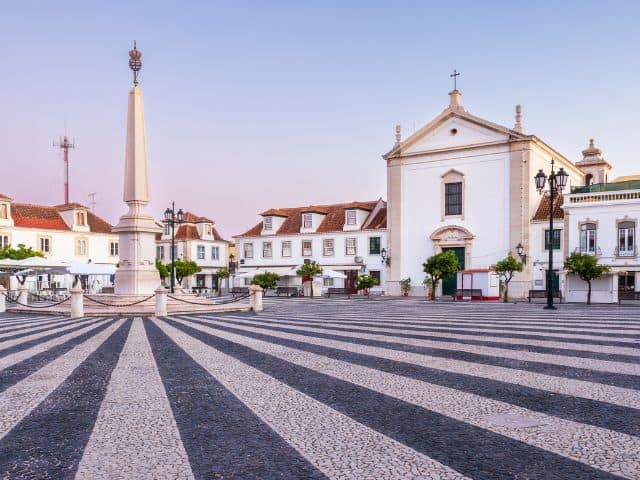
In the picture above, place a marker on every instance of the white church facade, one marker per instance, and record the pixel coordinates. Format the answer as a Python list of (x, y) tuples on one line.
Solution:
[(466, 184)]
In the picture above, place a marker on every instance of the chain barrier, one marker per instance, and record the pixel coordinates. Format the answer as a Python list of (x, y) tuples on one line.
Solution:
[(33, 306), (118, 304), (40, 297), (234, 299)]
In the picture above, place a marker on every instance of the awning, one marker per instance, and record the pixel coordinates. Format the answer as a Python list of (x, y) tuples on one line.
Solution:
[(282, 271)]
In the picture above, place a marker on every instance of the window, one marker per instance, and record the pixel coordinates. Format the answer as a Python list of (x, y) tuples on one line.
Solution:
[(44, 244), (80, 219), (215, 253), (207, 229), (351, 217), (4, 240), (552, 240), (167, 229), (375, 274), (81, 247), (267, 251), (307, 220), (327, 247), (113, 249), (626, 239), (588, 238), (350, 246), (307, 249), (160, 252), (374, 245), (175, 252), (453, 198), (4, 211), (286, 248), (268, 223), (248, 250), (200, 252), (328, 282)]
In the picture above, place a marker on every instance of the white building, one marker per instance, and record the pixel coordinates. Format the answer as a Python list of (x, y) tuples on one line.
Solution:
[(465, 184), (63, 233), (196, 239), (602, 220), (346, 237)]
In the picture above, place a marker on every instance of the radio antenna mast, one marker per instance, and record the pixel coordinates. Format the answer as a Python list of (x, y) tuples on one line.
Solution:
[(92, 198), (65, 145)]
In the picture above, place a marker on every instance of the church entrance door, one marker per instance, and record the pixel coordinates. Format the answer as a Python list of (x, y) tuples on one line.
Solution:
[(449, 284)]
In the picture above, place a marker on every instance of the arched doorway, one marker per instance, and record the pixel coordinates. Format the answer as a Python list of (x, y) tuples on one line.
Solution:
[(459, 240)]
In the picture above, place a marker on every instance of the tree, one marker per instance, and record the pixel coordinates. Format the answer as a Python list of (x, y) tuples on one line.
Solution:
[(19, 253), (365, 282), (440, 266), (506, 268), (266, 280), (309, 269), (185, 268), (586, 267), (163, 270), (220, 274)]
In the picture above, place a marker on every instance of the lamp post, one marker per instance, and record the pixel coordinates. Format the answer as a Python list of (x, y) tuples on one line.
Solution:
[(557, 182), (173, 218)]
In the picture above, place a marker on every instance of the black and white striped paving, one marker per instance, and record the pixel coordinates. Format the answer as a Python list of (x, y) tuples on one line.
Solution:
[(319, 389)]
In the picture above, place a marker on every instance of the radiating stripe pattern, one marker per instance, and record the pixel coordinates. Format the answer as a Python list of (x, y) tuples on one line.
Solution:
[(324, 389)]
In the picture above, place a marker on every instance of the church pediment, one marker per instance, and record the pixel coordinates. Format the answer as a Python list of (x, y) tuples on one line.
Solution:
[(452, 132), (451, 233)]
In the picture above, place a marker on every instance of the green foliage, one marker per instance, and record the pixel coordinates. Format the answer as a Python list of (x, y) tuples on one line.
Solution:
[(440, 266), (223, 272), (19, 253), (506, 268), (266, 280), (365, 282), (163, 270), (405, 285), (185, 268), (310, 269), (586, 267)]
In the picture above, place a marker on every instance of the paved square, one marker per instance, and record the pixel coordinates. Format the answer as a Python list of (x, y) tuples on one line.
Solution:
[(311, 389)]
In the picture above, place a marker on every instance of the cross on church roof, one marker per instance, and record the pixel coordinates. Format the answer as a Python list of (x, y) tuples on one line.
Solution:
[(455, 76)]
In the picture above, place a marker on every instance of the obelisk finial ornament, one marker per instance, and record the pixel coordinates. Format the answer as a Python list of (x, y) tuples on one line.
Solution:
[(135, 63)]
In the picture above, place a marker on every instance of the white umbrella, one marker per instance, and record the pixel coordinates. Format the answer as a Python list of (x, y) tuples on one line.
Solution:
[(79, 268), (329, 273)]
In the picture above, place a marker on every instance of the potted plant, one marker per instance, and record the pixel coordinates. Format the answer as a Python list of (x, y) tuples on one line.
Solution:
[(365, 282), (405, 286), (307, 271)]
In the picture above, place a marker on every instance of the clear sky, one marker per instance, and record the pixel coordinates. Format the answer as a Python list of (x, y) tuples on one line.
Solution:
[(252, 105)]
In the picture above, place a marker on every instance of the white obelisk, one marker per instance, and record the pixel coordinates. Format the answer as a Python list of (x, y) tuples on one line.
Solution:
[(137, 273)]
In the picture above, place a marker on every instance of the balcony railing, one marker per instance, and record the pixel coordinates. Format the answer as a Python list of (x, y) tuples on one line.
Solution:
[(626, 253), (604, 196)]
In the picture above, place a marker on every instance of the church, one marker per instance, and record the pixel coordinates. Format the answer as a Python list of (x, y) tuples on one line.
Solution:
[(466, 184)]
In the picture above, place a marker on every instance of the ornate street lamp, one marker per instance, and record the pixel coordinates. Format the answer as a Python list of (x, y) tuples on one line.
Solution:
[(520, 252), (557, 182), (173, 218)]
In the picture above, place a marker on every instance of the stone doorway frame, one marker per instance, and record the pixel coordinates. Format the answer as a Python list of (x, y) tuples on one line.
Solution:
[(453, 236)]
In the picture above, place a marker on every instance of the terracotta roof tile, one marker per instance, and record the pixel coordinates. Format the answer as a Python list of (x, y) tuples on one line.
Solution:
[(333, 220), (544, 208), (4, 197), (97, 224), (187, 232), (192, 218), (37, 216), (380, 220), (70, 206)]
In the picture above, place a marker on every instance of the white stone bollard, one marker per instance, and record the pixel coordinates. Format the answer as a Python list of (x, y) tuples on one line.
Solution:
[(3, 299), (316, 286), (255, 298), (77, 304), (161, 301), (23, 294)]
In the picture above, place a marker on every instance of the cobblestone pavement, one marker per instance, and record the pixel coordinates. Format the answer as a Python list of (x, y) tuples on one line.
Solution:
[(316, 389)]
